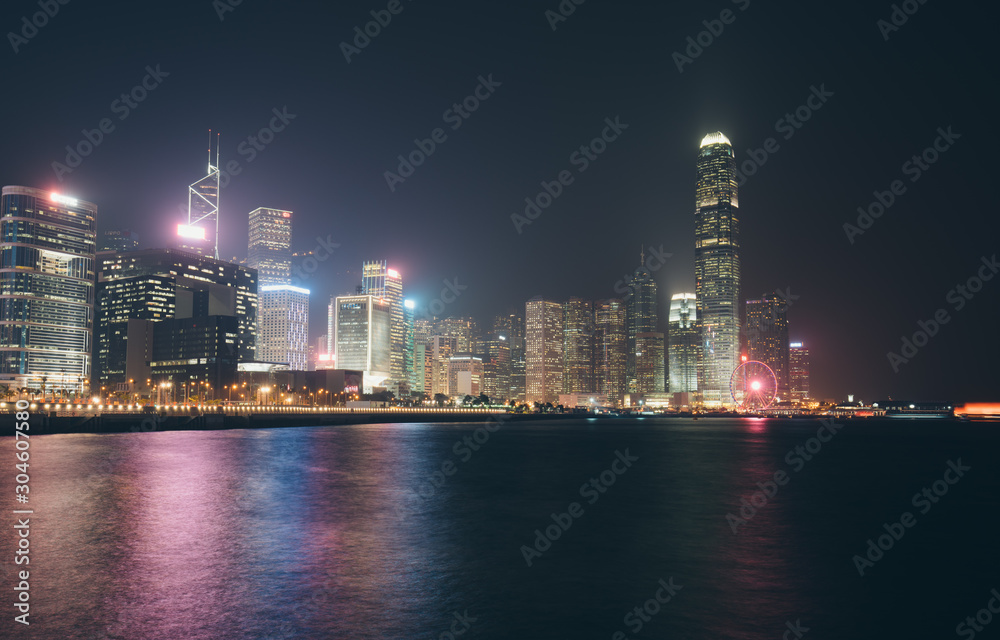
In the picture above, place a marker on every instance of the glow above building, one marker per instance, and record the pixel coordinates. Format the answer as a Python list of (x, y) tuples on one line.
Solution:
[(190, 232)]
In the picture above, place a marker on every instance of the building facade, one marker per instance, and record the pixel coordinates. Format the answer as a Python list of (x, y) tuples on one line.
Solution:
[(270, 248), (47, 266), (361, 335), (543, 377), (684, 343), (610, 349), (649, 363), (798, 371), (717, 268), (766, 337), (640, 317), (283, 326), (578, 346), (379, 281)]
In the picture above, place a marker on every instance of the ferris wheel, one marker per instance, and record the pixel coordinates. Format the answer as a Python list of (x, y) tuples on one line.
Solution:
[(753, 386)]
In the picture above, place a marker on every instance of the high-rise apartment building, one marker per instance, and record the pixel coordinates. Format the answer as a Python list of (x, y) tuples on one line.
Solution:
[(47, 265), (578, 346), (543, 378), (362, 337), (684, 343), (610, 349), (766, 337), (283, 326), (270, 246), (798, 367), (717, 268)]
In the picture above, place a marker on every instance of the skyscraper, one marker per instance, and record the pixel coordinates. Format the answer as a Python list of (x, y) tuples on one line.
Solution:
[(379, 281), (47, 264), (283, 326), (578, 346), (798, 366), (610, 349), (717, 268), (682, 334), (496, 366), (154, 285), (515, 328), (649, 371), (767, 337), (543, 378), (200, 233), (640, 316), (270, 246), (361, 335)]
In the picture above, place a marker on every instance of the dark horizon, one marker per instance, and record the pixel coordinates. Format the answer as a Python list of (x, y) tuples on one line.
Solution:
[(551, 91)]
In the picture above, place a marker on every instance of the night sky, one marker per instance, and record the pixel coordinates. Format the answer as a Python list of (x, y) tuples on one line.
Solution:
[(452, 217)]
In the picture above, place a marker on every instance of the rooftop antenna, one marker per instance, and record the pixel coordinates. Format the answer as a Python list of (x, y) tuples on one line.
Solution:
[(209, 150)]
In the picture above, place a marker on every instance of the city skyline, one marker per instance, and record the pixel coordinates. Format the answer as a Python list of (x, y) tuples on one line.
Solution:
[(331, 170)]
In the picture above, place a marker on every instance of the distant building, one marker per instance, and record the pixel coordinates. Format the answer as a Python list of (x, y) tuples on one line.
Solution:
[(798, 367), (151, 286), (766, 337), (683, 339), (442, 348), (640, 317), (270, 246), (47, 265), (517, 356), (543, 378), (496, 366), (283, 326), (649, 363), (578, 346), (200, 349), (381, 282), (610, 344), (119, 241), (717, 268), (465, 375), (362, 337)]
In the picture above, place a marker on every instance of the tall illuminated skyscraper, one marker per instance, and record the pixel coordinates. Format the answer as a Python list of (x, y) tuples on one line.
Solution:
[(47, 268), (578, 346), (200, 233), (610, 344), (798, 364), (270, 247), (717, 268), (640, 317), (766, 337), (683, 339), (379, 281), (543, 377), (649, 363)]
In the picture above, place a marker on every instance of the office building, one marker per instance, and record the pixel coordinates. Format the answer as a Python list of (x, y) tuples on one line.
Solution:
[(578, 346), (766, 337), (381, 282), (543, 376), (640, 316), (496, 366), (717, 268), (270, 247), (683, 340), (649, 363), (119, 241), (610, 339), (154, 285), (362, 337), (465, 374), (47, 266), (283, 326), (798, 371)]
